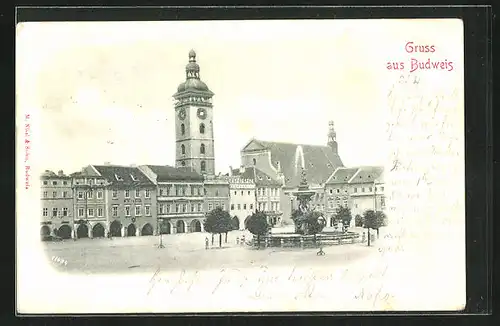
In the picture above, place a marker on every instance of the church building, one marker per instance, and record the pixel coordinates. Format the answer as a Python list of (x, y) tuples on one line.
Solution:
[(284, 162)]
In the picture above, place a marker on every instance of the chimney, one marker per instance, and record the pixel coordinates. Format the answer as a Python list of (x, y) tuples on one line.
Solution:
[(107, 163), (242, 169), (60, 173), (230, 171)]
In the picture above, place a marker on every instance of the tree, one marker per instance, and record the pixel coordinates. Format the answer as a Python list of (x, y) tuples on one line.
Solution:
[(381, 220), (344, 215), (257, 225), (313, 223), (358, 220), (372, 220), (218, 221)]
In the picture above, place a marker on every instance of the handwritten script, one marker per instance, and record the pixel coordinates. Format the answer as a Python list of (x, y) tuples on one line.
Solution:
[(27, 151)]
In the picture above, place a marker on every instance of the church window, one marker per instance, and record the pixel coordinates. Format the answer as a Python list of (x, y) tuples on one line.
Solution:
[(202, 149), (254, 161), (202, 128), (183, 129), (183, 149), (203, 166)]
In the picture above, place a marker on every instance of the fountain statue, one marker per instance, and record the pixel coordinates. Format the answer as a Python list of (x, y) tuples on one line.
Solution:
[(303, 195)]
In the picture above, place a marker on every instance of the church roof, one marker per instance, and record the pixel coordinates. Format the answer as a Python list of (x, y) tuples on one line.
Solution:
[(319, 161), (259, 177)]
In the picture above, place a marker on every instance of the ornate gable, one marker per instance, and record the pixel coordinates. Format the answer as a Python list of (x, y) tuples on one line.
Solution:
[(253, 145)]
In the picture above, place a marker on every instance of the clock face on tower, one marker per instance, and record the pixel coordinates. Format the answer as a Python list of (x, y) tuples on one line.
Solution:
[(202, 113), (182, 114)]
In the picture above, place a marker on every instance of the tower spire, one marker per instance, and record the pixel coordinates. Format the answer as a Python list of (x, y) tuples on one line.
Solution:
[(192, 68), (332, 136)]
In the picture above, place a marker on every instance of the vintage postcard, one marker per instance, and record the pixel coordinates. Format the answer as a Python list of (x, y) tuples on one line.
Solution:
[(240, 166)]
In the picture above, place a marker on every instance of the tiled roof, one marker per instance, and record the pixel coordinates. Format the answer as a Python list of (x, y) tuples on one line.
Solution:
[(367, 174), (51, 174), (320, 161), (170, 173), (342, 175), (122, 175), (260, 178)]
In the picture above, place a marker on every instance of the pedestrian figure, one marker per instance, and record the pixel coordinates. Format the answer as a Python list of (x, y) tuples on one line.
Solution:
[(363, 238), (206, 242), (237, 240)]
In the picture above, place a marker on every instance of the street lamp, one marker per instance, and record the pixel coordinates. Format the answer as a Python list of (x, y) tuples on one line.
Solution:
[(160, 245), (322, 222)]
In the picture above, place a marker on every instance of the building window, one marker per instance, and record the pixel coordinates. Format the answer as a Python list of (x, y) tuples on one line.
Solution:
[(177, 208), (217, 204), (183, 129), (381, 188), (183, 149), (223, 206), (45, 211), (239, 206), (200, 207), (65, 183), (254, 162), (168, 208), (115, 211), (370, 189), (216, 193), (338, 190), (242, 192), (184, 208), (115, 194), (210, 206), (362, 189), (54, 194), (161, 192), (45, 183), (91, 212), (65, 211), (244, 206), (183, 163), (162, 209), (65, 194), (202, 149), (100, 212), (203, 165), (54, 183), (148, 193), (345, 203), (202, 128), (331, 191), (355, 189), (138, 210), (147, 210), (99, 194), (127, 193), (249, 192), (251, 206), (232, 207), (137, 193), (193, 207), (127, 210), (44, 194), (80, 212), (89, 195)]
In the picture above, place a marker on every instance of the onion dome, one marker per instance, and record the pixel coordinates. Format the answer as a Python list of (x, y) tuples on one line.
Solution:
[(193, 81)]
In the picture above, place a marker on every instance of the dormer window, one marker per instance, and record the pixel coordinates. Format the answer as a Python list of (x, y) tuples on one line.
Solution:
[(118, 178), (133, 178), (268, 178)]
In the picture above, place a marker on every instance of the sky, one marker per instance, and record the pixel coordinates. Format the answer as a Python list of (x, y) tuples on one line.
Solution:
[(102, 92)]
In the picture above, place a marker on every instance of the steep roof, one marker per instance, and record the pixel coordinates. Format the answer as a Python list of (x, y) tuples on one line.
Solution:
[(341, 175), (122, 175), (367, 174), (319, 161), (260, 178), (170, 173)]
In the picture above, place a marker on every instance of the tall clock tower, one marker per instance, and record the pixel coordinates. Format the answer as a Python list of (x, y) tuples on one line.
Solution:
[(194, 131)]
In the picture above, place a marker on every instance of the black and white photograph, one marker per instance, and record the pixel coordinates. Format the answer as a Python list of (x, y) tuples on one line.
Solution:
[(240, 166)]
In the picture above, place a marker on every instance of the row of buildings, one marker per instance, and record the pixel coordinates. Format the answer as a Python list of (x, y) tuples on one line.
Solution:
[(151, 199)]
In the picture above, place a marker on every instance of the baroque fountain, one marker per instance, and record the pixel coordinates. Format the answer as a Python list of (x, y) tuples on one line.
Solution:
[(309, 225)]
